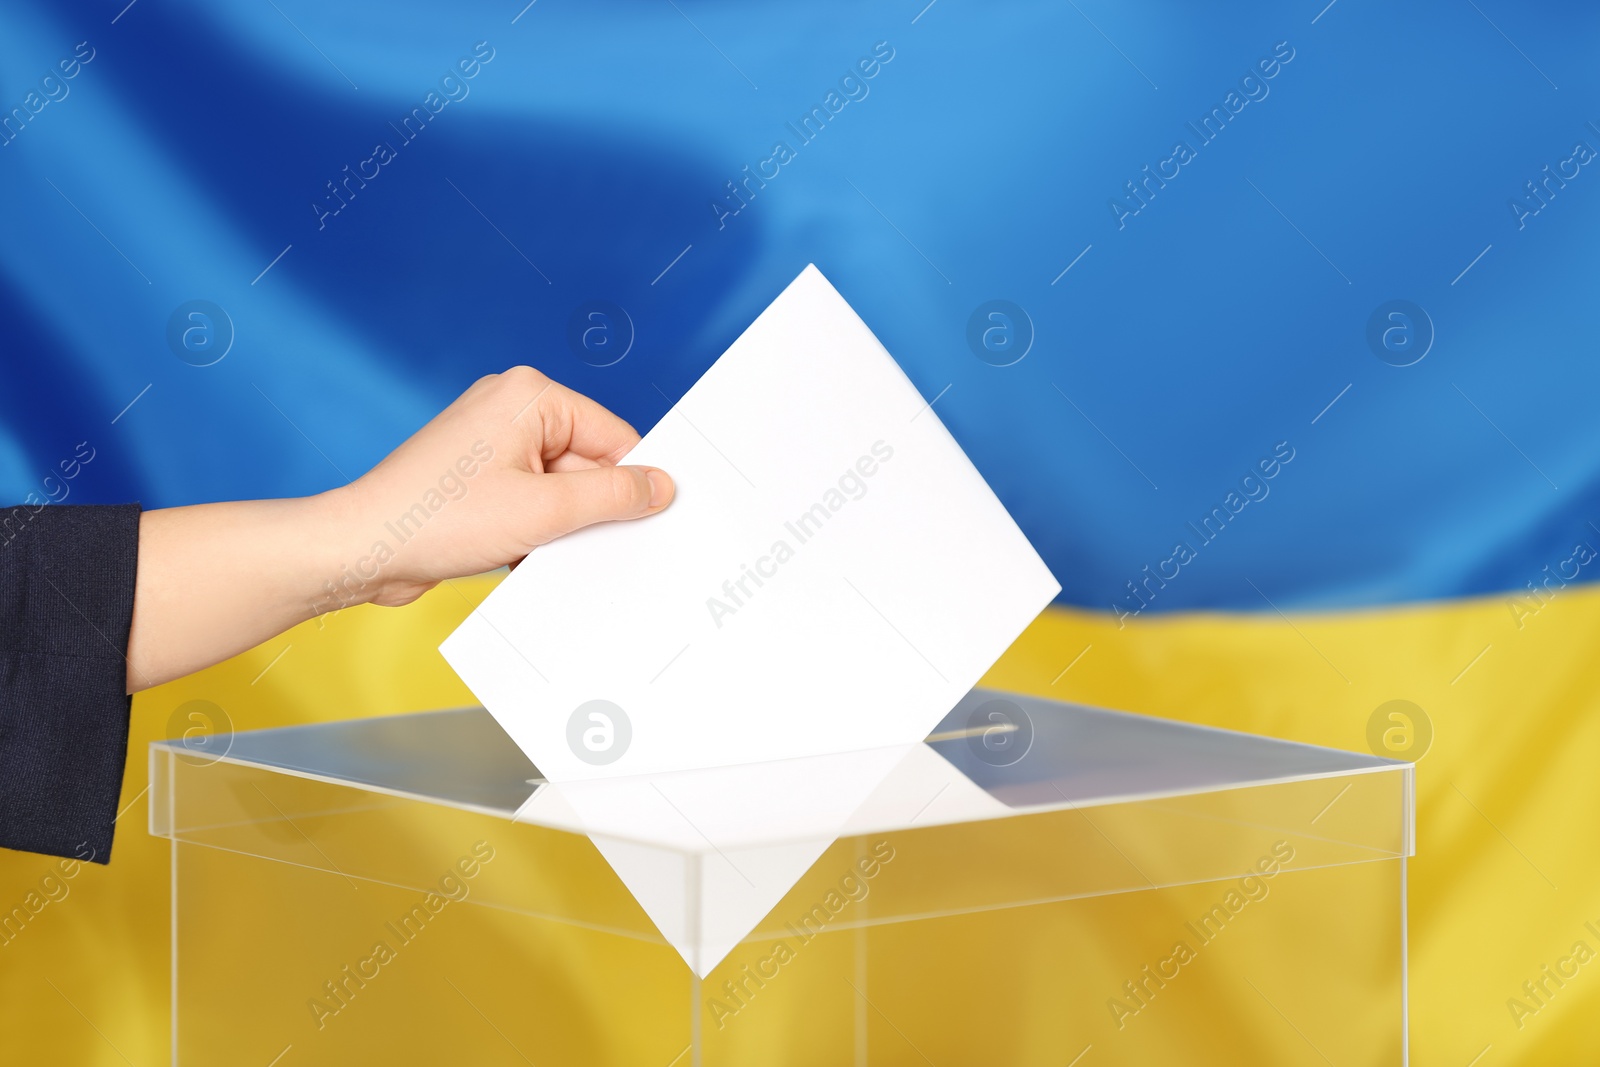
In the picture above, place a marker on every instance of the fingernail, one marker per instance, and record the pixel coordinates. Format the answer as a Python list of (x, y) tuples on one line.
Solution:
[(660, 488)]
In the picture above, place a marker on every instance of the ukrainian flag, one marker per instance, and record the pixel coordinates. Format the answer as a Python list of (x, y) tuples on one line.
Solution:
[(1272, 326)]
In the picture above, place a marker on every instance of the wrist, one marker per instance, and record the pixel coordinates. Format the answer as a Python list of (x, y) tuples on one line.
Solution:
[(343, 572)]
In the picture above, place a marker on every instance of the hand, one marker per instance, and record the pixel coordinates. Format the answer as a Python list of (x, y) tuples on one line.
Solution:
[(517, 461)]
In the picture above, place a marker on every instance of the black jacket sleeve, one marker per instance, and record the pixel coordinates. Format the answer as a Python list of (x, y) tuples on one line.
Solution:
[(66, 606)]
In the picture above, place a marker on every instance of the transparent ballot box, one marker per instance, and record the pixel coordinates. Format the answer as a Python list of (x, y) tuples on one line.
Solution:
[(1036, 884)]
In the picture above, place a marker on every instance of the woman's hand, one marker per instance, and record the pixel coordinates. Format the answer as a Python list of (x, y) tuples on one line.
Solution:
[(516, 461)]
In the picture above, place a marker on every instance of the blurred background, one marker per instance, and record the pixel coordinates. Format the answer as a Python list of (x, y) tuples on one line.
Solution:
[(1139, 255)]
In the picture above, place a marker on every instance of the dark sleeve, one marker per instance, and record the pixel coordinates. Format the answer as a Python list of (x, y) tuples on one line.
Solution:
[(66, 605)]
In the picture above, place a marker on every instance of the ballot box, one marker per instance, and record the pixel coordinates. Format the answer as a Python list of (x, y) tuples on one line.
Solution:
[(1036, 884)]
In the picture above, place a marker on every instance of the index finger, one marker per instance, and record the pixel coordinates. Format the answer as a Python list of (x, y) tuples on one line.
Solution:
[(575, 423)]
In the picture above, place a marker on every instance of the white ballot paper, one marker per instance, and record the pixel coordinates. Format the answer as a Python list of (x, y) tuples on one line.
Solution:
[(833, 576)]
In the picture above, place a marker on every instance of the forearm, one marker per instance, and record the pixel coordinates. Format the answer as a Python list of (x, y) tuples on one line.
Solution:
[(217, 579)]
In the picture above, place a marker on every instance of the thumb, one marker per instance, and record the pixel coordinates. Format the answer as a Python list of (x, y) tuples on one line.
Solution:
[(570, 500)]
